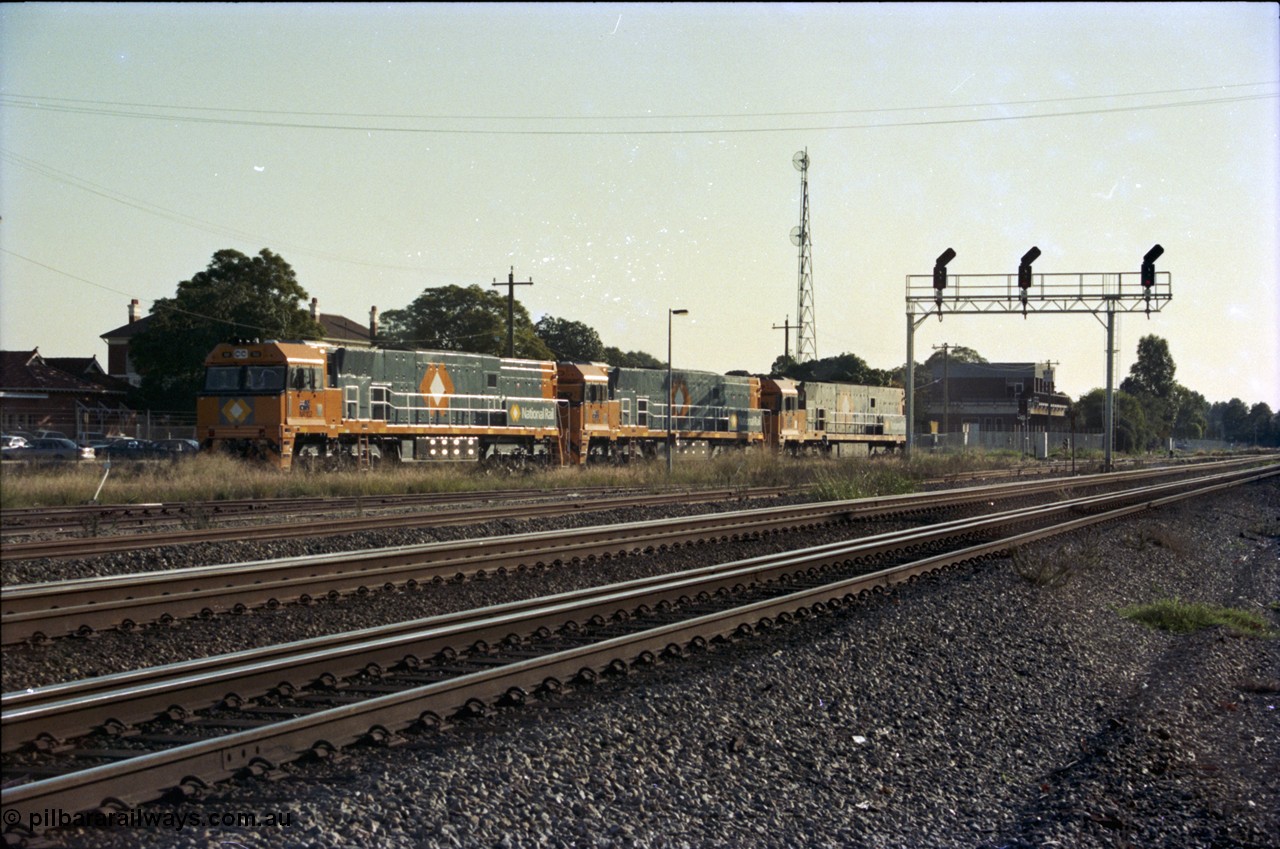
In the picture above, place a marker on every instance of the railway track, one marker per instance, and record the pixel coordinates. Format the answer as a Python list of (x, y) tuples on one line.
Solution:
[(77, 532), (179, 728), (81, 518), (80, 606), (558, 505)]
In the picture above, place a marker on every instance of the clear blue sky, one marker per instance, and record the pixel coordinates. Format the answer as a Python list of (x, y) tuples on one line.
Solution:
[(635, 158)]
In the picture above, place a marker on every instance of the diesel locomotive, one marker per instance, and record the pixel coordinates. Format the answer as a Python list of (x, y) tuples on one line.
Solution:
[(300, 403)]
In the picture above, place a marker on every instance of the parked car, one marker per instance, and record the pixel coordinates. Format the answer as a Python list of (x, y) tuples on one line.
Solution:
[(12, 440), (49, 449), (177, 447), (126, 449)]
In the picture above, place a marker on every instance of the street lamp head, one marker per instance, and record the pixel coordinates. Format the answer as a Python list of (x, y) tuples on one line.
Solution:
[(679, 312)]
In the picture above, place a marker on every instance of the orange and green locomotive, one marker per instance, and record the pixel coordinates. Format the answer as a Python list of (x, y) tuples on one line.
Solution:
[(301, 403), (296, 402)]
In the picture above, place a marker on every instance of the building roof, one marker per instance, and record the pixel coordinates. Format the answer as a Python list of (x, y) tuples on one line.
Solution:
[(27, 371), (339, 328), (127, 331), (86, 367), (1016, 370)]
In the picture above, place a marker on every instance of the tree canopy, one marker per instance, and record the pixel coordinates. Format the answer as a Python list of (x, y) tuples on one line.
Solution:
[(1152, 373), (570, 340), (453, 318), (1150, 383), (1132, 431), (842, 368), (237, 296), (631, 359), (952, 353)]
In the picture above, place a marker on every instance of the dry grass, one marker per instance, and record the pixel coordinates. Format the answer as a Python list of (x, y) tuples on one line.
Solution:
[(1045, 569), (212, 477)]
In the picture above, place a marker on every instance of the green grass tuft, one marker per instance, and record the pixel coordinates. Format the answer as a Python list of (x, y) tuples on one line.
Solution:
[(1181, 617)]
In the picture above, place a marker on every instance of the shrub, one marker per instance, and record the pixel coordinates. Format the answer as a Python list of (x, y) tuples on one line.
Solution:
[(1056, 568)]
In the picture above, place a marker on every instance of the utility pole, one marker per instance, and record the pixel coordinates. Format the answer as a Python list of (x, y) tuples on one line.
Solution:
[(786, 337), (945, 347), (511, 285)]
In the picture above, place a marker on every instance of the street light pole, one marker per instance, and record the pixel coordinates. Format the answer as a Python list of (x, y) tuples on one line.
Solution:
[(671, 402)]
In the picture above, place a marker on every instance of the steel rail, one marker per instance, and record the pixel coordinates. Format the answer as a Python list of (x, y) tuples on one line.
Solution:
[(146, 777), (26, 520), (88, 546), (39, 611)]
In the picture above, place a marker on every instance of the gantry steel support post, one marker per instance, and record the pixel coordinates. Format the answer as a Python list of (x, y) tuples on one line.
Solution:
[(1109, 416)]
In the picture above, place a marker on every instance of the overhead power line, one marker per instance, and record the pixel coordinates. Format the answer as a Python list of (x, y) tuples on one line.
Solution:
[(170, 307), (35, 100), (179, 217), (177, 116)]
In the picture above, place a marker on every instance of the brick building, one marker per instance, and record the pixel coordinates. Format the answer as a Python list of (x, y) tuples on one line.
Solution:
[(73, 396), (995, 398)]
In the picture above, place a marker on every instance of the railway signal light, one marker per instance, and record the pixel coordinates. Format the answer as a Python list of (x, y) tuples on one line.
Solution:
[(1149, 268), (1024, 274), (940, 273)]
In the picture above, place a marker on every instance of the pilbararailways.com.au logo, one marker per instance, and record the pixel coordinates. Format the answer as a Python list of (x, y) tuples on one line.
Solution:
[(148, 819)]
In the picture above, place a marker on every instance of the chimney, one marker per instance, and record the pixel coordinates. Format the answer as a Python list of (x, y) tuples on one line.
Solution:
[(315, 309), (133, 310), (373, 323)]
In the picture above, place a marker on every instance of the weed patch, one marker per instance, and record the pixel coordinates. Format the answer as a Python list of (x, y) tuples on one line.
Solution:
[(1053, 569), (1153, 536), (860, 481), (1181, 617)]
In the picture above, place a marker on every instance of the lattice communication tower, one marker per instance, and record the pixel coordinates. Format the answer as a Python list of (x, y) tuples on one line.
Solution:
[(807, 332)]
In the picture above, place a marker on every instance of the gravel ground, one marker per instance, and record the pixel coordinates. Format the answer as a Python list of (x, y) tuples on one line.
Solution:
[(115, 651), (975, 709)]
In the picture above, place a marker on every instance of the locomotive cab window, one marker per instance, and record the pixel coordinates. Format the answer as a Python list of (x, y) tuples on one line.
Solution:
[(222, 379), (306, 377), (264, 378), (244, 379)]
